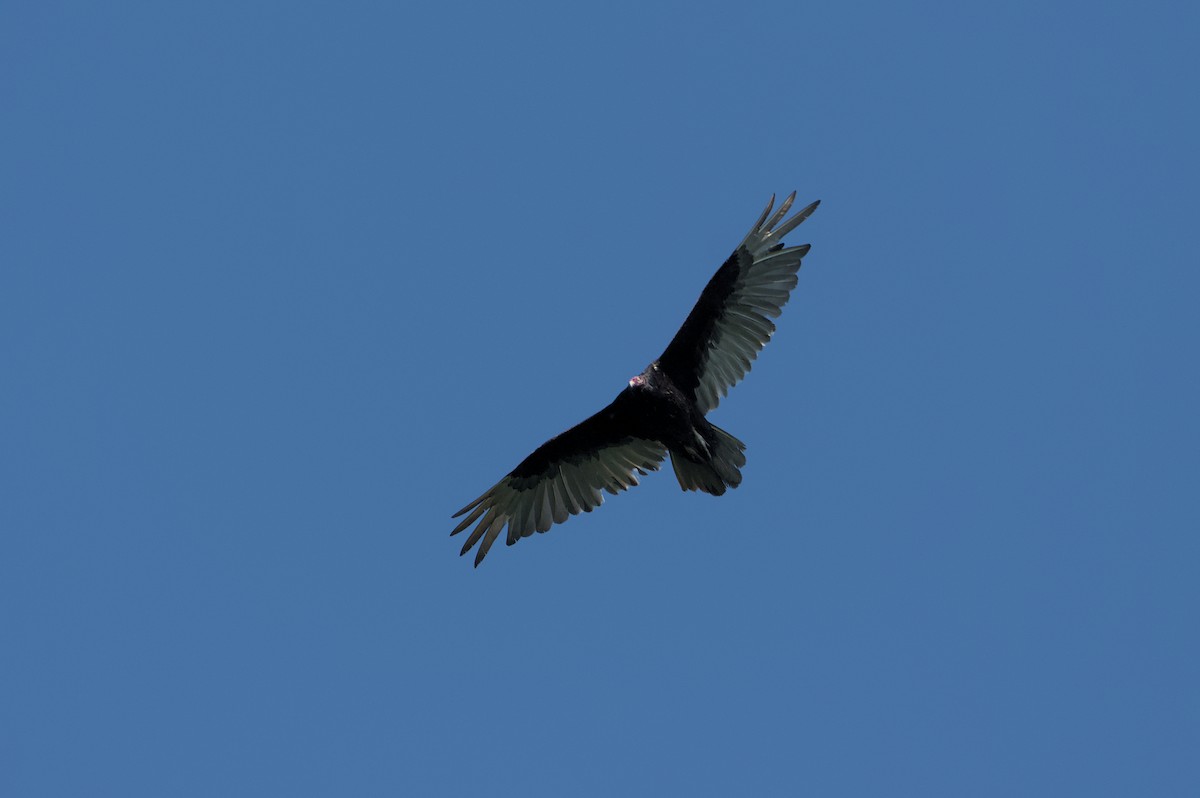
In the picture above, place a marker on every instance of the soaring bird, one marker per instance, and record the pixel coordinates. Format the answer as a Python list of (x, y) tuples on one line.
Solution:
[(662, 410)]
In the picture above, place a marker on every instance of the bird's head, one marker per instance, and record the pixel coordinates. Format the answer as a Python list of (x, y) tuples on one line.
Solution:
[(647, 379)]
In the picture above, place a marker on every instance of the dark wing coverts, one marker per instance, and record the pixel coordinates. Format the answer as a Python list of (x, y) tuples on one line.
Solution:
[(729, 326), (563, 477)]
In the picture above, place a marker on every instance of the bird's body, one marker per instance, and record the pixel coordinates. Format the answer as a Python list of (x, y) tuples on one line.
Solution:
[(662, 410)]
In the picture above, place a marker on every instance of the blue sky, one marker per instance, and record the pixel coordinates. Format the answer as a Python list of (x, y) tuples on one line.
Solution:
[(284, 285)]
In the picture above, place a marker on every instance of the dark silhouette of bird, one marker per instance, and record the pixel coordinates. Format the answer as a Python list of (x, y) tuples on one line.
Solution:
[(662, 410)]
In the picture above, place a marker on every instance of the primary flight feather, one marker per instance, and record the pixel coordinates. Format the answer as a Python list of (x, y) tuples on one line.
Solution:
[(662, 410)]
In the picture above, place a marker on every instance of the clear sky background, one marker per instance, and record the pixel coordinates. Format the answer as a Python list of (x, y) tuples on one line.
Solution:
[(283, 285)]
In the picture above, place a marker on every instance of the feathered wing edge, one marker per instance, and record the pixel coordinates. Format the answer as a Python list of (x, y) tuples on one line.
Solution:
[(762, 237), (761, 290), (566, 488)]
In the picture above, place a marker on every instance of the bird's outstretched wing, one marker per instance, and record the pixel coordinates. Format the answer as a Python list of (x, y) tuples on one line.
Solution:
[(563, 477), (728, 326)]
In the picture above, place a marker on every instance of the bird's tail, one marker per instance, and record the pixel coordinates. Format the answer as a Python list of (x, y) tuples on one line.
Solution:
[(721, 470)]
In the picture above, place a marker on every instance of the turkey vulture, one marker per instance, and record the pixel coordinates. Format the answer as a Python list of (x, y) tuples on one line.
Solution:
[(661, 411)]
